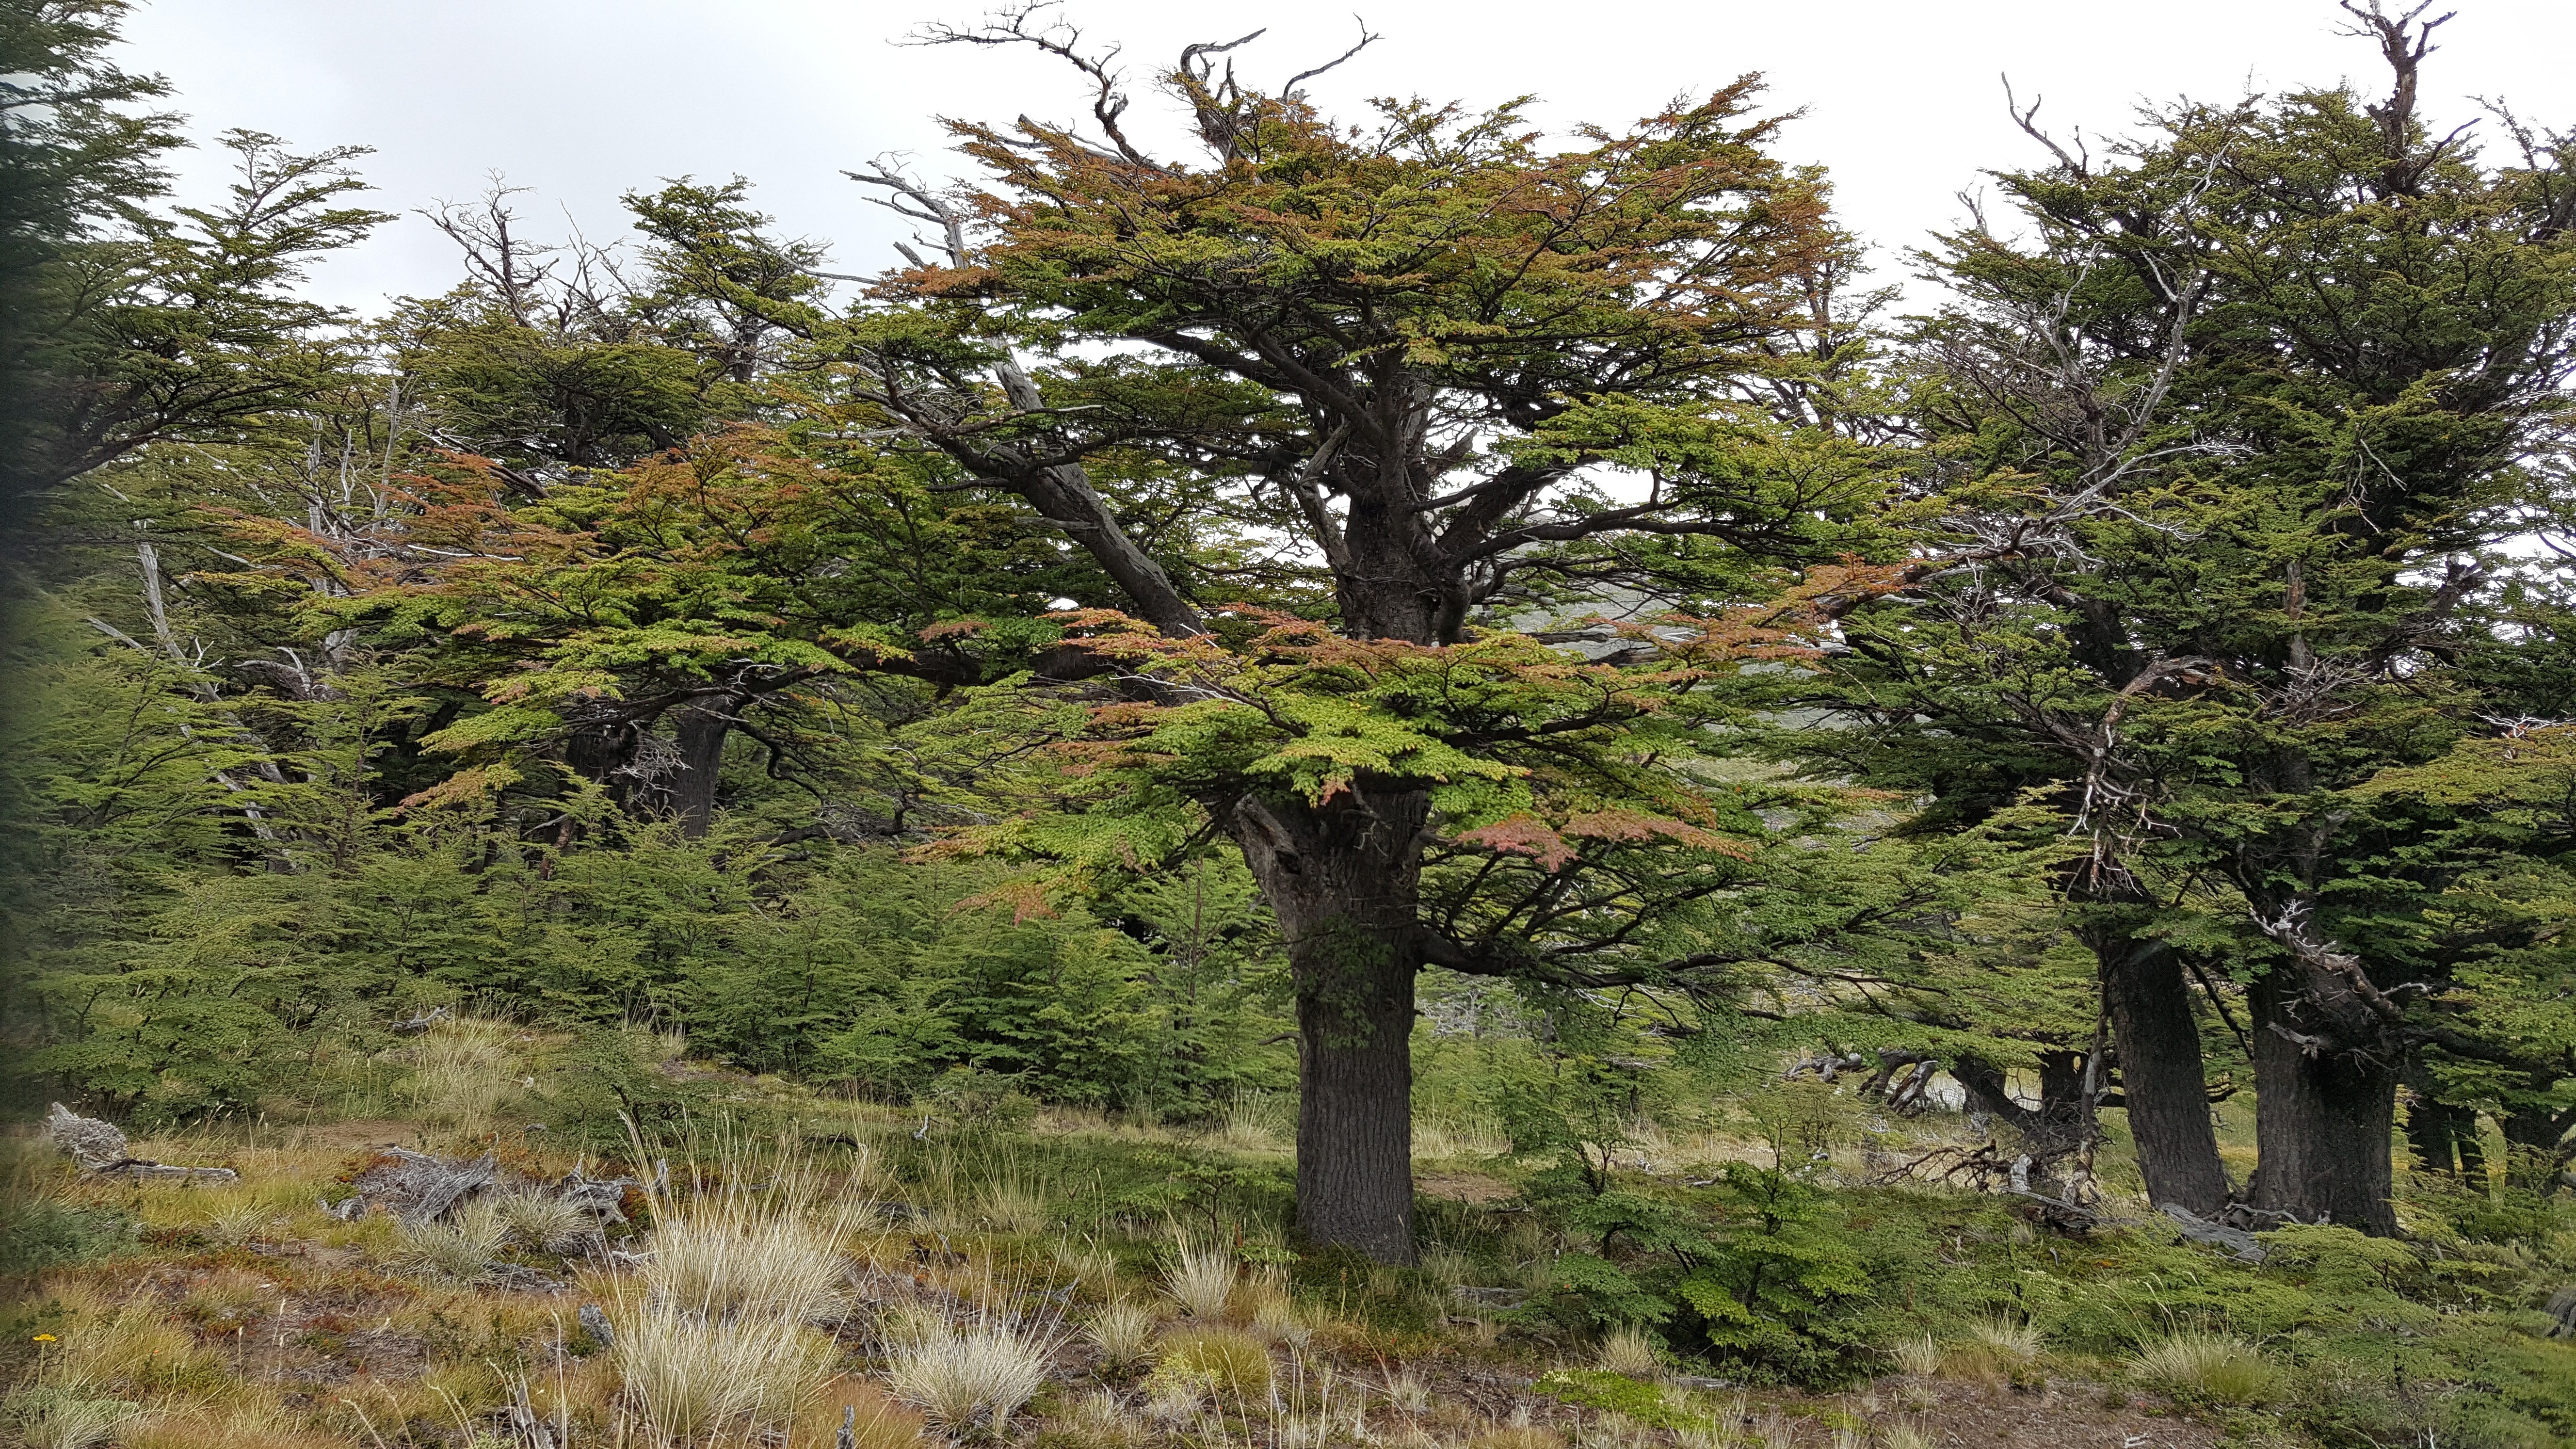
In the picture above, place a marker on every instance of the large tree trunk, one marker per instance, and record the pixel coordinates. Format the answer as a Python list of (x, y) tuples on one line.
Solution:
[(700, 736), (1343, 880), (2161, 1080), (2322, 1118), (600, 754)]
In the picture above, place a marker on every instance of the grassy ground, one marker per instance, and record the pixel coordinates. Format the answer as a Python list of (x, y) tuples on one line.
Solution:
[(979, 1272)]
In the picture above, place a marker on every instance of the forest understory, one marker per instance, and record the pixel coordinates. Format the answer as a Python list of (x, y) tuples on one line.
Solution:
[(783, 1268)]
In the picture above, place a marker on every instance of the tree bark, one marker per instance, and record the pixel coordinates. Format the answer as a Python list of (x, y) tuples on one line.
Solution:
[(2161, 1078), (2323, 1118), (700, 735), (1344, 879)]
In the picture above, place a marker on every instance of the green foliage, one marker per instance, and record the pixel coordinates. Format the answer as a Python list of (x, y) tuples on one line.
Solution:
[(38, 1233), (1619, 1394), (1765, 1280)]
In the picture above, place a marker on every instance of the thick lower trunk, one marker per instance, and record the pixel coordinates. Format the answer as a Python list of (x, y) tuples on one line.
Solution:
[(1343, 880), (699, 735), (2322, 1118), (2161, 1080)]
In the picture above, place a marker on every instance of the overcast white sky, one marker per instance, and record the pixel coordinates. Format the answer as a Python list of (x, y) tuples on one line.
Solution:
[(583, 99)]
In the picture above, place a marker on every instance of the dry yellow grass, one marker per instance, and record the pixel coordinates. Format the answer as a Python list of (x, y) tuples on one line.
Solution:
[(1629, 1351), (1201, 1279), (58, 1419), (1236, 1363), (461, 1072), (106, 1349), (1919, 1355), (265, 1427), (875, 1420), (692, 1379), (1123, 1332), (2211, 1367), (969, 1378), (736, 1250)]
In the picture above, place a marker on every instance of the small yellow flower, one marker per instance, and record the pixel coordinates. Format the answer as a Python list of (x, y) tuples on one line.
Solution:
[(44, 1338)]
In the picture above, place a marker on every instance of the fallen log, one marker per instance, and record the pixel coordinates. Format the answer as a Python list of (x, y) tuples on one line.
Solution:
[(2239, 1244), (100, 1150)]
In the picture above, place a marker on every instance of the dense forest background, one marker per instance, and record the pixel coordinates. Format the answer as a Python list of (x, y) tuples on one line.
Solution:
[(1401, 622)]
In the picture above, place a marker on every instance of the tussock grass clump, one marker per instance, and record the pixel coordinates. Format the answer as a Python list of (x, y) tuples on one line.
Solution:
[(1086, 1263), (1995, 1350), (1629, 1351), (1724, 1431), (1919, 1355), (1252, 1119), (1234, 1363), (1903, 1434), (874, 1421), (244, 1426), (1408, 1391), (1262, 1299), (1528, 1436), (460, 1249), (695, 1380), (739, 1253), (1008, 1205), (2209, 1367), (54, 1418), (2010, 1338), (1274, 1317), (1096, 1420), (1123, 1332), (111, 1351), (1448, 1267), (541, 1220), (461, 1072), (969, 1378), (1201, 1279)]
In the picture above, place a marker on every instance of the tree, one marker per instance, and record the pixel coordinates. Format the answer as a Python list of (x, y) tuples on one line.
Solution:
[(2238, 435), (1381, 378)]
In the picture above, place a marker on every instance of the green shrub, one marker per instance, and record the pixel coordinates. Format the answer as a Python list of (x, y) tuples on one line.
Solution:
[(1770, 1290)]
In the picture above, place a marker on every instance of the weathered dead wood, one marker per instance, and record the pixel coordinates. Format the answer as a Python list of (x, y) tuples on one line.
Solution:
[(99, 1149), (423, 1021), (2239, 1244)]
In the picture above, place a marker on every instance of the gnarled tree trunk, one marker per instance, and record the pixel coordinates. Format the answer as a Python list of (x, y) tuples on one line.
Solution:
[(2323, 1116), (700, 735), (2062, 1126), (1344, 880), (2161, 1079)]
